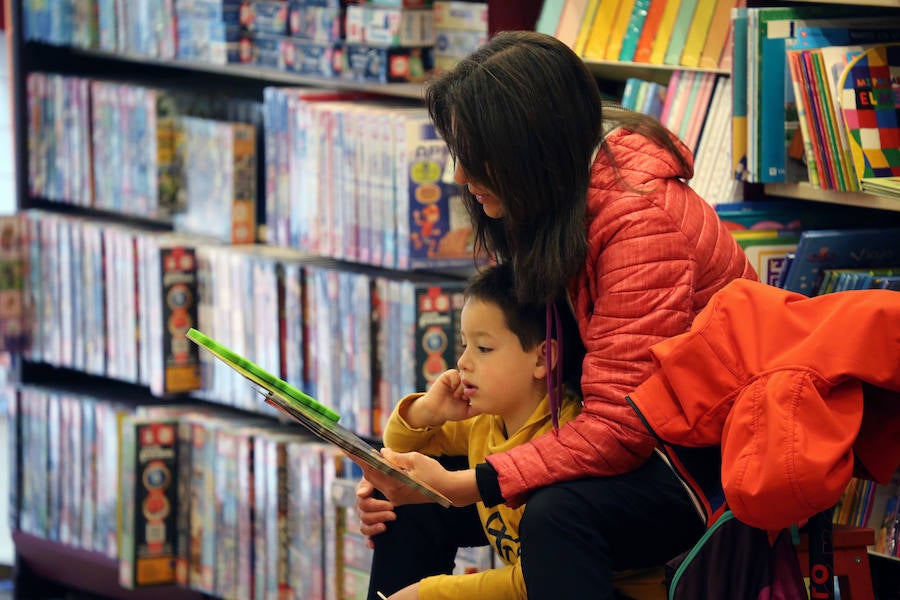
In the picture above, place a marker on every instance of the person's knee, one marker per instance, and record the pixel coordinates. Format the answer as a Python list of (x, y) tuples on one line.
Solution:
[(549, 511)]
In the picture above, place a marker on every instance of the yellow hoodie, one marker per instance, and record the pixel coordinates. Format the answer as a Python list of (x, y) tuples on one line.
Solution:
[(477, 438)]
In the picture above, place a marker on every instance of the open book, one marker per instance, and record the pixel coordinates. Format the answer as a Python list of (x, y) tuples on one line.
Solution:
[(315, 416)]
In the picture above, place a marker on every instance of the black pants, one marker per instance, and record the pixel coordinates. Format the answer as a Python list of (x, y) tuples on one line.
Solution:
[(423, 541), (573, 534)]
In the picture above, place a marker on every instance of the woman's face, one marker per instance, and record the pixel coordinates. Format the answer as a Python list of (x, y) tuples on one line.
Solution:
[(489, 202)]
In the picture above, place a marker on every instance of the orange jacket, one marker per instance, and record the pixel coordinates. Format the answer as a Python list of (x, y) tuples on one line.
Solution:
[(654, 260), (798, 391)]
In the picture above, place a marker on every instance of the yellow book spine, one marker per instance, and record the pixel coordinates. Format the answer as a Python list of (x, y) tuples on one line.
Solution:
[(595, 48), (620, 26), (658, 53), (696, 37), (719, 29), (570, 20), (584, 29)]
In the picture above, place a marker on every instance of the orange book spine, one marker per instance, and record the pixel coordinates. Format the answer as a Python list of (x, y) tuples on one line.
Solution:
[(664, 32), (719, 30), (648, 33)]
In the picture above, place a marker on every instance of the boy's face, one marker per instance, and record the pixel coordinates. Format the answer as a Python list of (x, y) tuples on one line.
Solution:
[(499, 377)]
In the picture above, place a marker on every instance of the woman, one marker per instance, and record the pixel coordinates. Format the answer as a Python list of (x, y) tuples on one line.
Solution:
[(591, 201)]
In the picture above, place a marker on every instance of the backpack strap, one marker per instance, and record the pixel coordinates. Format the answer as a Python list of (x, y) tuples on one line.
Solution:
[(698, 470)]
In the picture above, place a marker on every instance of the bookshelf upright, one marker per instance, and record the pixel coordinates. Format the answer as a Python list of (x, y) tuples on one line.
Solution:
[(45, 566)]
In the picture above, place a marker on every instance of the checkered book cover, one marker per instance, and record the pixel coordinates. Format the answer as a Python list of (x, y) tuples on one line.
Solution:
[(870, 104)]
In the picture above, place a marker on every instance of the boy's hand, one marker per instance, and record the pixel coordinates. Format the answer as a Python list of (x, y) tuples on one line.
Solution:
[(444, 401), (459, 487)]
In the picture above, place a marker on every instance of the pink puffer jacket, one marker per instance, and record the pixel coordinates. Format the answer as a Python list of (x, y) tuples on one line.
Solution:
[(654, 261)]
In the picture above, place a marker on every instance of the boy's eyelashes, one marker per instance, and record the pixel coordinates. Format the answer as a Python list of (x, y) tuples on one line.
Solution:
[(482, 349)]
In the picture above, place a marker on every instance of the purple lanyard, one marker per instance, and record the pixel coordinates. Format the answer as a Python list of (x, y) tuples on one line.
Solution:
[(554, 375)]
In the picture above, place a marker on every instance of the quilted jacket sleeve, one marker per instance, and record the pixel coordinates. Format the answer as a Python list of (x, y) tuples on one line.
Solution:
[(655, 259)]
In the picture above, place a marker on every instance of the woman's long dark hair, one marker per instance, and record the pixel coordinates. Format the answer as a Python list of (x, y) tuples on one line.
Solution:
[(522, 116)]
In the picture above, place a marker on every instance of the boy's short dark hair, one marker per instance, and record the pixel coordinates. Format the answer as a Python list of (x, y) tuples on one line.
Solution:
[(528, 321), (496, 284)]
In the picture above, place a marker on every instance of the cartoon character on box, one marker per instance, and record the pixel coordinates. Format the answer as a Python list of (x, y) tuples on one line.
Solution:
[(427, 220), (434, 342)]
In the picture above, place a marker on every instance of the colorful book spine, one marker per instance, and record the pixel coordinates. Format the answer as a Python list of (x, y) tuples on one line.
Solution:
[(548, 19), (620, 27), (148, 489), (826, 175), (803, 117), (649, 30), (633, 30), (680, 31), (584, 29), (671, 88), (700, 112), (600, 29), (666, 23), (571, 19), (739, 94), (697, 33), (826, 100), (719, 32)]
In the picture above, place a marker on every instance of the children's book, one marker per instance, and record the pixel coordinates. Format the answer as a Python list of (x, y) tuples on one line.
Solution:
[(649, 30), (739, 93), (767, 252), (664, 32), (316, 417), (633, 31), (619, 26), (599, 26), (679, 33), (823, 249), (570, 21), (548, 19), (591, 10), (697, 33), (870, 106), (719, 30), (784, 29)]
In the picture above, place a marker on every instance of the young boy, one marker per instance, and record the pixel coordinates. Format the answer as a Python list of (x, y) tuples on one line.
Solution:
[(495, 400)]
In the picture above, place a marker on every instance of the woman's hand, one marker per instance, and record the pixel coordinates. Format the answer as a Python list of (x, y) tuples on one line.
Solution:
[(373, 512)]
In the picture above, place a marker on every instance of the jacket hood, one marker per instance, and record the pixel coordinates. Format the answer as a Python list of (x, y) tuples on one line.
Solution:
[(638, 161), (779, 381)]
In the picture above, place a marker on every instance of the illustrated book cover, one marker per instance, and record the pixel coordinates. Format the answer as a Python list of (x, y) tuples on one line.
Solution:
[(316, 417), (870, 106), (822, 249)]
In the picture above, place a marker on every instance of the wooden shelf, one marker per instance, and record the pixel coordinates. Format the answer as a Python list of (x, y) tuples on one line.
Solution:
[(884, 3), (248, 72), (92, 572), (620, 71), (806, 191)]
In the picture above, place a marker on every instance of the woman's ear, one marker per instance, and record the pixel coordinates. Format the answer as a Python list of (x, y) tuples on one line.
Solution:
[(543, 357)]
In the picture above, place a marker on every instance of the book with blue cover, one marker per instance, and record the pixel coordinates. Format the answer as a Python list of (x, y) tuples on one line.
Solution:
[(823, 249), (316, 417)]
